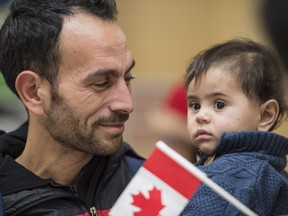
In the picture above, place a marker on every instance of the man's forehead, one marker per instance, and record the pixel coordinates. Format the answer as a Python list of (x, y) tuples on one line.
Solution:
[(116, 50), (90, 30), (86, 35)]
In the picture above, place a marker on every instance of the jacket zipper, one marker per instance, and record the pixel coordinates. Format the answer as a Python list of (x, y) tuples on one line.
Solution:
[(74, 190), (93, 211)]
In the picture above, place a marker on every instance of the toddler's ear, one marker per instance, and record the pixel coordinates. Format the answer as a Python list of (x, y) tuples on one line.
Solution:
[(269, 114)]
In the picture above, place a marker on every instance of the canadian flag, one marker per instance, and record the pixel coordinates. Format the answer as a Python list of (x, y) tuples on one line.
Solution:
[(164, 185)]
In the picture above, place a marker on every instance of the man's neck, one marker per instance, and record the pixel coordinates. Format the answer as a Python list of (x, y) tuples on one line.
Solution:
[(48, 159)]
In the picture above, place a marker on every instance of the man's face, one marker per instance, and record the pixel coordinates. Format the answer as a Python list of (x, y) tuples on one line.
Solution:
[(94, 92)]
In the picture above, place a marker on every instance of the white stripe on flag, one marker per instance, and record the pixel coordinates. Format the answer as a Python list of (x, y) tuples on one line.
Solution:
[(143, 184)]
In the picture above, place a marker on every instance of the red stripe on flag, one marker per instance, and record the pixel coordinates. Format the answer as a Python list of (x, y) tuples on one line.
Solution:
[(172, 173), (103, 212)]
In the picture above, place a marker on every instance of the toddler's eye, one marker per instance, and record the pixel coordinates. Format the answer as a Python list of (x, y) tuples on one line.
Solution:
[(195, 106), (219, 105)]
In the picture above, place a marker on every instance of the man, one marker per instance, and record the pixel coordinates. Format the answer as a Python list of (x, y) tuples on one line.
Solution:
[(69, 63)]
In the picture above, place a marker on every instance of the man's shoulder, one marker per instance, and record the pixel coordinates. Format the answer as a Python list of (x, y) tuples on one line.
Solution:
[(43, 200), (133, 163), (13, 142), (132, 160), (19, 133)]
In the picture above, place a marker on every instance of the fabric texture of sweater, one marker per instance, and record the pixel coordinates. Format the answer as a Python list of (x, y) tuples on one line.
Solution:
[(250, 166)]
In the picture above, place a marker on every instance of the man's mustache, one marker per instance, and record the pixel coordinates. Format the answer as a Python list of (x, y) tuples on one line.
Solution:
[(114, 118)]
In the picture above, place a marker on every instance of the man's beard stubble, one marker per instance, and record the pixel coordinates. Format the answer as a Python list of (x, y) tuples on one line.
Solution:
[(67, 129)]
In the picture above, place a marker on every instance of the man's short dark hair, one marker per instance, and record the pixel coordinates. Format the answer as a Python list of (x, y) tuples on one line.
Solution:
[(29, 38)]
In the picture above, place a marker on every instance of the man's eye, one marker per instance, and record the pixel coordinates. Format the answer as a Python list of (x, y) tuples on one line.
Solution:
[(129, 78), (194, 106), (102, 84), (219, 105)]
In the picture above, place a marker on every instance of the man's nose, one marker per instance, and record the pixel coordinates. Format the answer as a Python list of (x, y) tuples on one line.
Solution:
[(122, 101)]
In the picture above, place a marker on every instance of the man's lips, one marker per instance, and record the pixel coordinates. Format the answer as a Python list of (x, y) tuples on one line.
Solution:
[(112, 124), (113, 127)]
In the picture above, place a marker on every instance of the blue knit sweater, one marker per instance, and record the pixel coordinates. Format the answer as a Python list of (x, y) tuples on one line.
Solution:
[(250, 166)]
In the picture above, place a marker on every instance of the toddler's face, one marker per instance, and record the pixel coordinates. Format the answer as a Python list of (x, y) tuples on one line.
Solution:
[(216, 105)]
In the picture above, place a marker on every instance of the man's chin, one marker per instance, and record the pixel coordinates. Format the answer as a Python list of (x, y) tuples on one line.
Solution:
[(111, 146)]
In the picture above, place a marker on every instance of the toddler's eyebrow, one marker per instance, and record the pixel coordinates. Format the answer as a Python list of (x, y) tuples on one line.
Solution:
[(212, 95)]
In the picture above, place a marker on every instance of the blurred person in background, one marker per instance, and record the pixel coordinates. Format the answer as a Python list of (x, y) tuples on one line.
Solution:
[(274, 14), (1, 205), (169, 122), (275, 18)]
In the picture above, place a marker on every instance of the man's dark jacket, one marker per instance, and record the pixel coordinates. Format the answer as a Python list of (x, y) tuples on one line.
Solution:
[(101, 182)]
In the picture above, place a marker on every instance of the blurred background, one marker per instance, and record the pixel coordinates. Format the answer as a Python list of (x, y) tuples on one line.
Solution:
[(164, 35)]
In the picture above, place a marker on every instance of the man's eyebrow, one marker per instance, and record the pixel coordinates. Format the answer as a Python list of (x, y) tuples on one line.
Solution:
[(101, 72), (131, 66), (106, 72)]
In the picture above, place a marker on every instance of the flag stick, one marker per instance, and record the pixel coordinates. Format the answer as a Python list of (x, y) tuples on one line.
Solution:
[(202, 176)]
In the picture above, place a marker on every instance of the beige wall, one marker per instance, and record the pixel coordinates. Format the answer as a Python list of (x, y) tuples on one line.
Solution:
[(164, 35)]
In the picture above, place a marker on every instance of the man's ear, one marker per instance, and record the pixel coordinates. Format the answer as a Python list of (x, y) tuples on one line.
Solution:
[(32, 89), (269, 114)]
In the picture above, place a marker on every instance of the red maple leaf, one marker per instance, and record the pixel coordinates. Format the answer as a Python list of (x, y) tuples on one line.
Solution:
[(150, 206)]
